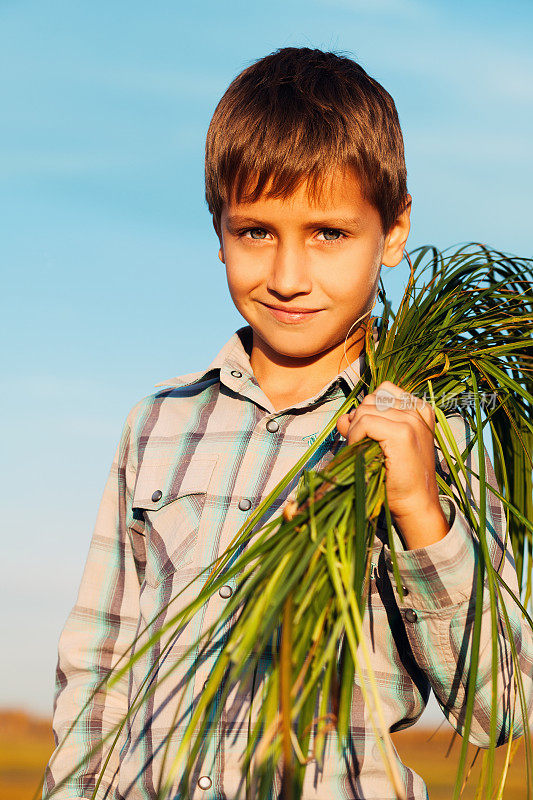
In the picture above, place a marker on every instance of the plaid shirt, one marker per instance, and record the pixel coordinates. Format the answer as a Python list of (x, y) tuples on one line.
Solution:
[(194, 459)]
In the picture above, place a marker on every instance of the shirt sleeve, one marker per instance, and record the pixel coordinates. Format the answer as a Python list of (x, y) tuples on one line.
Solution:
[(439, 606), (99, 629)]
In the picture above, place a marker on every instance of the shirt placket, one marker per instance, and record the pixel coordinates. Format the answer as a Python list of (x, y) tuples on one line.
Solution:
[(247, 496)]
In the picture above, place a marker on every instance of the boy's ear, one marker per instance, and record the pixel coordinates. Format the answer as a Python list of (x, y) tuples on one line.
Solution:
[(396, 238), (216, 226)]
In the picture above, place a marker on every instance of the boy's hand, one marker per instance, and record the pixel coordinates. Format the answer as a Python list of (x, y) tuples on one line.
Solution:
[(404, 426)]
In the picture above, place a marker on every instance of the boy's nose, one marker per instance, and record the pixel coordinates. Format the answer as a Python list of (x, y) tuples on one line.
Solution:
[(289, 272)]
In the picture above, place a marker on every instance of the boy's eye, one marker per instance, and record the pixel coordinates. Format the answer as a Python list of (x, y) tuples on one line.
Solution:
[(331, 234), (253, 231)]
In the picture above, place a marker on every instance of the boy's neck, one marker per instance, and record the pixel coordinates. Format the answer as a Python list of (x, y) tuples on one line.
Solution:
[(287, 380)]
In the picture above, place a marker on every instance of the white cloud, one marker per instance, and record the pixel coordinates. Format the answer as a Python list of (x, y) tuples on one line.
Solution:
[(476, 146), (160, 81), (377, 7), (513, 81)]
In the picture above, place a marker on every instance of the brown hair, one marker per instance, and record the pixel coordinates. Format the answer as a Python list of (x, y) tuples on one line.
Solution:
[(296, 115)]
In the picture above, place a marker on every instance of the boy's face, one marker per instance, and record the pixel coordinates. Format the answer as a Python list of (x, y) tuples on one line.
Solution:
[(301, 274)]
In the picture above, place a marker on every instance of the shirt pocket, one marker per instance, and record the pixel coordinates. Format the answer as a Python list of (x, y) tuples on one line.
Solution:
[(168, 501)]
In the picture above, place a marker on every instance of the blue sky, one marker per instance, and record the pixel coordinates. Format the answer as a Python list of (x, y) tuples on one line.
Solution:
[(111, 277)]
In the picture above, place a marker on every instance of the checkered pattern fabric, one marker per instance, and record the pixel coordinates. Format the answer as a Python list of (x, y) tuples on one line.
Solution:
[(194, 460)]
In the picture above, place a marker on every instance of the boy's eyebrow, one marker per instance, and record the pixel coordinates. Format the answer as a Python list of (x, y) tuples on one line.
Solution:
[(325, 222), (236, 219), (336, 222)]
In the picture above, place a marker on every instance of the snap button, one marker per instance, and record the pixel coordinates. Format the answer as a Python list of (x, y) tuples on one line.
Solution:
[(157, 495), (204, 781), (272, 426), (411, 615), (225, 591), (405, 591), (245, 504), (236, 373)]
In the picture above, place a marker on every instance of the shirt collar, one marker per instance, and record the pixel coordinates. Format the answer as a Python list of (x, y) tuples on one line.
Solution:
[(232, 356), (232, 367)]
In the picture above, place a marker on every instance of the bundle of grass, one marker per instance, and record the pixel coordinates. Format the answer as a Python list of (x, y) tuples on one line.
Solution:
[(301, 580)]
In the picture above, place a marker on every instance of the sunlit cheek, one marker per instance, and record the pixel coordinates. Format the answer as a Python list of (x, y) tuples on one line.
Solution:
[(244, 275), (256, 259), (353, 279)]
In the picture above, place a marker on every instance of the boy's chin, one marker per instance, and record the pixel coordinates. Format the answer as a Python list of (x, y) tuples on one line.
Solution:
[(298, 347)]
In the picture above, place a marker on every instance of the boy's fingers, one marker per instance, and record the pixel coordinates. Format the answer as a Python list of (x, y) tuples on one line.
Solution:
[(388, 395), (343, 423)]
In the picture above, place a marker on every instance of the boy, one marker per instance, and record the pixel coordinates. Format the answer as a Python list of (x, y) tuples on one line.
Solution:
[(306, 182)]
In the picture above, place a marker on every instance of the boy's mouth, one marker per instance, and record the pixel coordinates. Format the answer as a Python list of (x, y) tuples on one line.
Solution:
[(292, 314)]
